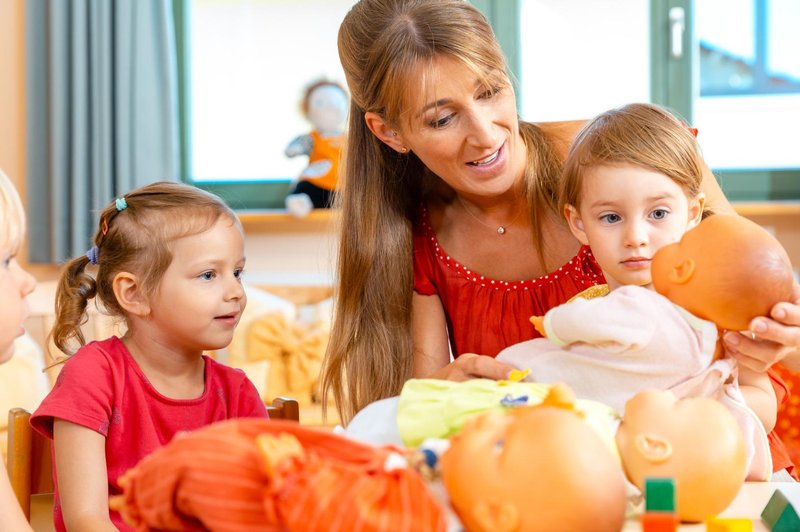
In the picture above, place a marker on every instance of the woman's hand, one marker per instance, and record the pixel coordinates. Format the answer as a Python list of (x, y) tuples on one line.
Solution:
[(472, 366), (771, 339)]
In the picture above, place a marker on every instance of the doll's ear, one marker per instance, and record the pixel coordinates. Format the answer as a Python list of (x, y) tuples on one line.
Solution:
[(682, 272), (653, 447), (500, 516), (384, 132), (575, 224)]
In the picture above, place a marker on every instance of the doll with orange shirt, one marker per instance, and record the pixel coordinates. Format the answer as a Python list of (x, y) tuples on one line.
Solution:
[(325, 105)]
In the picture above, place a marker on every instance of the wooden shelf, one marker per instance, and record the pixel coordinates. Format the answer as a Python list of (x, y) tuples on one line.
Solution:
[(768, 208), (280, 221)]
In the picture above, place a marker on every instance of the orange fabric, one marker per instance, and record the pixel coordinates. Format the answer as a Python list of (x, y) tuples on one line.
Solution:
[(216, 478), (788, 427), (326, 148)]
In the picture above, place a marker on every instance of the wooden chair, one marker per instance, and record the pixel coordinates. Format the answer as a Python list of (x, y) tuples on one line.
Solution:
[(30, 465), (284, 408)]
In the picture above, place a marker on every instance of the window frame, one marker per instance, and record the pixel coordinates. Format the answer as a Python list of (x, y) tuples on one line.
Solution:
[(673, 83), (270, 195)]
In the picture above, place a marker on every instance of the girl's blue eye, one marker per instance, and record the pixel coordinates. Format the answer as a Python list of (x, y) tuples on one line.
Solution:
[(610, 218), (207, 275), (238, 273), (660, 214)]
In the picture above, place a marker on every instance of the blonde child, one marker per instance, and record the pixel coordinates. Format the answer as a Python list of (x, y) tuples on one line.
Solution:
[(15, 285), (631, 185), (167, 259)]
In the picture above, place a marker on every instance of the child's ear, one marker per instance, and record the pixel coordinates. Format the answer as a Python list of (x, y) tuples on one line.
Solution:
[(129, 294), (696, 206), (575, 224)]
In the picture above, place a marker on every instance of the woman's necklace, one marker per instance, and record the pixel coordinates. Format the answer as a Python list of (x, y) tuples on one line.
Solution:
[(501, 229)]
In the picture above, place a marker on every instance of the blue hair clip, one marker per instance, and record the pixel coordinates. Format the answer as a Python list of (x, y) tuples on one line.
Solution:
[(93, 255), (121, 204)]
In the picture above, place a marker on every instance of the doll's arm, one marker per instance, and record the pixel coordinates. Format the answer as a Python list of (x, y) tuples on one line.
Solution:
[(759, 395), (82, 477), (626, 318), (301, 145)]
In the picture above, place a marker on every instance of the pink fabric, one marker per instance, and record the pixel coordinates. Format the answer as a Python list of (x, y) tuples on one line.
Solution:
[(485, 315), (617, 345), (609, 348), (102, 388)]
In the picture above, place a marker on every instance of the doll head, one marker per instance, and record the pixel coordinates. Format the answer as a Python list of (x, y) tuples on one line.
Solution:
[(694, 441), (534, 468), (325, 106), (727, 270)]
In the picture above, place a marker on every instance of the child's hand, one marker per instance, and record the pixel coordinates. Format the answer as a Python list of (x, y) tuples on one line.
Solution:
[(538, 324)]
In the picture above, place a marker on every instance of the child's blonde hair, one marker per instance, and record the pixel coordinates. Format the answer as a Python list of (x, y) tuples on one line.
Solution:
[(638, 134), (12, 216), (135, 235)]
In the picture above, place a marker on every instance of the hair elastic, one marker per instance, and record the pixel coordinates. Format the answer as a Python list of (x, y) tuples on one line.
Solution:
[(121, 204), (93, 255)]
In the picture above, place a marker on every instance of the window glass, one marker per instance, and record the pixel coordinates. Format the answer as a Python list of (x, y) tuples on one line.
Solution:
[(749, 91), (250, 61)]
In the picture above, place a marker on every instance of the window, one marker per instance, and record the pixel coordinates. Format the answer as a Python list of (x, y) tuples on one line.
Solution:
[(748, 105), (246, 65)]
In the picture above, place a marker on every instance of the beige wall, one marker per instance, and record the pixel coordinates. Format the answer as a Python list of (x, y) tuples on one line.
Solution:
[(12, 92)]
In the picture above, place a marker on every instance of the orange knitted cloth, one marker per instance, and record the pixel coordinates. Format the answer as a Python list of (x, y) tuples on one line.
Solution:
[(255, 474)]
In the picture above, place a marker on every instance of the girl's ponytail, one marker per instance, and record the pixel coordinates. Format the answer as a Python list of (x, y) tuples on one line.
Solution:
[(75, 288)]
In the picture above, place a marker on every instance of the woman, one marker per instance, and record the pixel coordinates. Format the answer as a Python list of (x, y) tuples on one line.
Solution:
[(448, 201)]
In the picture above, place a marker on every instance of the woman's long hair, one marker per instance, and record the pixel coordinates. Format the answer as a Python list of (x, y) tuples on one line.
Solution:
[(384, 47)]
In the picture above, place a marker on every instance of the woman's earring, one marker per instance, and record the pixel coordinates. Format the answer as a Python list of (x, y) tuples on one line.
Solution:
[(402, 149)]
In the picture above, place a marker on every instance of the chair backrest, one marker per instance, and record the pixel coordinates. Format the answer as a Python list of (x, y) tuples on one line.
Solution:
[(30, 464), (284, 408)]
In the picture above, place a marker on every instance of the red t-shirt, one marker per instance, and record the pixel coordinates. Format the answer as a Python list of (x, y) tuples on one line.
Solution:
[(102, 388), (781, 458), (486, 315)]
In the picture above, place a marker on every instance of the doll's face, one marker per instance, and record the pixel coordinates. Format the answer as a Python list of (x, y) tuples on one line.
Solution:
[(534, 468), (327, 108), (727, 270), (695, 441)]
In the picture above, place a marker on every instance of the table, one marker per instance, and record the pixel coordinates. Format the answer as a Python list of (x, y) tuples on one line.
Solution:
[(749, 503)]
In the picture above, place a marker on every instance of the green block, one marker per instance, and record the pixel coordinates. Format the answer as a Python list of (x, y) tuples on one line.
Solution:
[(659, 494), (780, 515)]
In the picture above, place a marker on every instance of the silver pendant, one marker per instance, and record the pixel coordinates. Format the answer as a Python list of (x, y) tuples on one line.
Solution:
[(501, 230)]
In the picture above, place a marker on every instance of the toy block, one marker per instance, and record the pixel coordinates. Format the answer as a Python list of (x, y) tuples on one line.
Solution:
[(779, 515), (660, 522), (718, 524), (659, 494)]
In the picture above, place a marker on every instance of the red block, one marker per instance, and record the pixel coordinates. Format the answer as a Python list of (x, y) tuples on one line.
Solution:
[(660, 522)]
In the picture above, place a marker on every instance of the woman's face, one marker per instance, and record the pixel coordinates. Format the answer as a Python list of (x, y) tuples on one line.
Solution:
[(464, 131), (15, 285)]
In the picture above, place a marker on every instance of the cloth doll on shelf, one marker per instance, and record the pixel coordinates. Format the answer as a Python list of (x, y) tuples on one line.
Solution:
[(325, 105)]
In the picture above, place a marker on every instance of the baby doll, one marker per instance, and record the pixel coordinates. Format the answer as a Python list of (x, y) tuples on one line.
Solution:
[(723, 273), (542, 468), (325, 105), (534, 468)]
